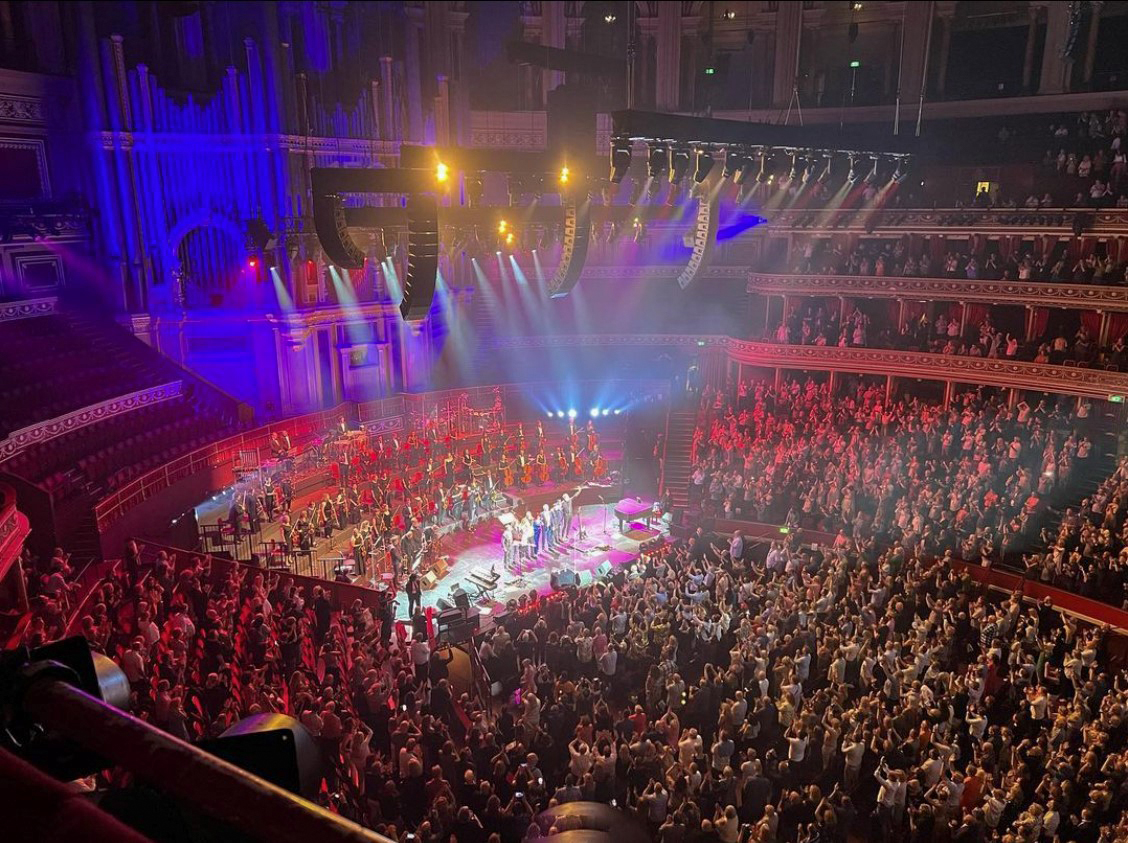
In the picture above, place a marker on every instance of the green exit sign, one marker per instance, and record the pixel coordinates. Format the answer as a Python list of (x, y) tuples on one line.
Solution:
[(855, 64), (709, 71), (1116, 399)]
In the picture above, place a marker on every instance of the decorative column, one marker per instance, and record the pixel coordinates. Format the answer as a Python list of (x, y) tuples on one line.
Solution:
[(554, 31), (1091, 45), (789, 33), (1028, 60), (1056, 67), (948, 390), (1102, 340), (668, 40), (413, 72), (945, 25)]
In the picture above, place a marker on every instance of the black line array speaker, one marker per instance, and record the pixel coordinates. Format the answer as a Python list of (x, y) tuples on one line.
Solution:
[(577, 236), (422, 257), (333, 232)]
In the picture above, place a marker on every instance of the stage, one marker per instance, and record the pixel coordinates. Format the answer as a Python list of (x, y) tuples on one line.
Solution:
[(479, 549)]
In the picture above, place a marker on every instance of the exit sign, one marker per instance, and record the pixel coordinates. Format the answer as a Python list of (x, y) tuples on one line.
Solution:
[(1116, 399)]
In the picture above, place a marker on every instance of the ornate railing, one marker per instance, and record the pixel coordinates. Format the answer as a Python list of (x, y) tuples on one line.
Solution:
[(1089, 296), (13, 529), (1069, 380), (28, 308), (46, 431), (953, 220)]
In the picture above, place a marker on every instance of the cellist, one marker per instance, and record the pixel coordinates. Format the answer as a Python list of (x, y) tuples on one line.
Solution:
[(542, 466)]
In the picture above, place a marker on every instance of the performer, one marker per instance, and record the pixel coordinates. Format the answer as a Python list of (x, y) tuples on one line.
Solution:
[(578, 466), (507, 477), (598, 465), (541, 468), (592, 436), (566, 506), (526, 471), (269, 498), (235, 518), (507, 546), (467, 467), (562, 463)]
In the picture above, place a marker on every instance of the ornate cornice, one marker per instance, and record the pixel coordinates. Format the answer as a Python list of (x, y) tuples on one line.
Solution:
[(657, 272), (1089, 296), (28, 308), (53, 428)]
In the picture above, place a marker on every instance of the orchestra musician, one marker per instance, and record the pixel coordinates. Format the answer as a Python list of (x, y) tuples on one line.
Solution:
[(526, 471), (598, 465), (541, 467), (562, 463), (507, 479), (592, 436), (578, 466), (269, 498)]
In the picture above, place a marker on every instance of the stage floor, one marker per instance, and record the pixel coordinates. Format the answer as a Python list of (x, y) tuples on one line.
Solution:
[(481, 549)]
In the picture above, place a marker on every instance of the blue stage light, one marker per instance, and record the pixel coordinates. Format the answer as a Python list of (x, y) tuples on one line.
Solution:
[(550, 413), (572, 413), (617, 412), (595, 412), (559, 414), (607, 412)]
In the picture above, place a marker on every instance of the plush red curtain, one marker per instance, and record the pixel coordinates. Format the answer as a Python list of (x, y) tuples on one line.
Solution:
[(1039, 322), (913, 310), (976, 313), (1117, 326), (1091, 321)]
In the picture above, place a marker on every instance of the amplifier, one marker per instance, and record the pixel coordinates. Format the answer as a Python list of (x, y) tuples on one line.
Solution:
[(564, 578)]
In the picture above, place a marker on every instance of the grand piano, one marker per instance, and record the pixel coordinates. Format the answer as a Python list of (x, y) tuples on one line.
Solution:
[(634, 509)]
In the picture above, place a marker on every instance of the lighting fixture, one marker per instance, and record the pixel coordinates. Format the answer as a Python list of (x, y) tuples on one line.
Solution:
[(565, 173), (502, 227), (442, 172), (620, 159), (572, 413), (679, 164), (610, 18), (871, 176), (657, 159), (729, 14), (704, 166), (854, 173)]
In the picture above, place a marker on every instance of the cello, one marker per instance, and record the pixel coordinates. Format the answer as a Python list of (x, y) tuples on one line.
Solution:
[(542, 469), (562, 463), (507, 475), (527, 473), (599, 467)]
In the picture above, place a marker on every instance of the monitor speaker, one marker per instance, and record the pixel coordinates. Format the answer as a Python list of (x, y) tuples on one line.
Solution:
[(422, 257), (274, 747), (563, 579), (603, 571)]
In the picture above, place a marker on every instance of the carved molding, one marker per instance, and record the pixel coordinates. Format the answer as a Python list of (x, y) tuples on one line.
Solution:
[(657, 272), (28, 308), (14, 109), (61, 425), (1094, 383), (1032, 293)]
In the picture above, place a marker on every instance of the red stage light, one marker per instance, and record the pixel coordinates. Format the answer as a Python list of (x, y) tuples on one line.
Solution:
[(253, 262)]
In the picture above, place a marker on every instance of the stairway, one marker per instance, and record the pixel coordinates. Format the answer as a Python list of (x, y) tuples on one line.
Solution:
[(679, 441)]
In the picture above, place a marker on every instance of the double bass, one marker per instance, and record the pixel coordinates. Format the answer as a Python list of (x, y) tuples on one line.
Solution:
[(599, 467), (507, 475), (562, 463), (526, 472), (578, 465), (542, 469)]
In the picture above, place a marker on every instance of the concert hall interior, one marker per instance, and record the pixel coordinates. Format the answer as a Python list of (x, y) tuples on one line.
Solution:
[(490, 421)]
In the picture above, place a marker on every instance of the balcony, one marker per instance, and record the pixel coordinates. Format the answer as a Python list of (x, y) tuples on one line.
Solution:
[(1031, 293), (983, 221)]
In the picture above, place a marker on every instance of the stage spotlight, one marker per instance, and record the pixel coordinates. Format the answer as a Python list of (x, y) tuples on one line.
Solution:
[(595, 412), (764, 174), (824, 176), (871, 176), (658, 157), (796, 167), (704, 166), (252, 262), (559, 414), (902, 172), (617, 412), (572, 413), (549, 414), (855, 173), (565, 173), (679, 164), (442, 172), (734, 160), (607, 412), (620, 160), (502, 227)]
